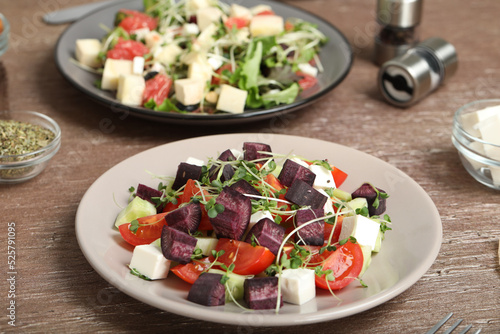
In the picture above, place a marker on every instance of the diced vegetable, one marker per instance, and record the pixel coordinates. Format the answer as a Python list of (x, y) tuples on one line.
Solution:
[(292, 171), (233, 221), (177, 245), (187, 218), (186, 172), (313, 233), (208, 290), (135, 209), (303, 194), (262, 293), (375, 197), (268, 234)]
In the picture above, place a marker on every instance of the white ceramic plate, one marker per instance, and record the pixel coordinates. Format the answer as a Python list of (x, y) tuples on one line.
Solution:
[(407, 252), (336, 57)]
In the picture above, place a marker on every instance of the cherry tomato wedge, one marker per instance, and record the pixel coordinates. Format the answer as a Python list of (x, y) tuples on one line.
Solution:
[(149, 230), (336, 232), (134, 20), (307, 81), (247, 259), (157, 88), (346, 263), (216, 79), (236, 22), (339, 176), (127, 49), (191, 271)]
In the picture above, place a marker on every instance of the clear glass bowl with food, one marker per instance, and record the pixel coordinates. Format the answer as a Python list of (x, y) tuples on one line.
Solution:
[(4, 34), (28, 140), (476, 135)]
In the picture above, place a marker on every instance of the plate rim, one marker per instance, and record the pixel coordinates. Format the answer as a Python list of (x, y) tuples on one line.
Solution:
[(217, 119), (214, 315)]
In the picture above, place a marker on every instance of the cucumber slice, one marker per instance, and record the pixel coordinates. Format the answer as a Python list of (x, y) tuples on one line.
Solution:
[(342, 195), (137, 208), (367, 258)]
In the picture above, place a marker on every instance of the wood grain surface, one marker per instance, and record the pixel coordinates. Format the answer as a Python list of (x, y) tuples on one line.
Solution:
[(57, 291)]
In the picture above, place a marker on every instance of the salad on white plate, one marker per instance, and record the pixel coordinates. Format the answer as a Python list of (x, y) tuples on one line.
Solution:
[(252, 225), (204, 56)]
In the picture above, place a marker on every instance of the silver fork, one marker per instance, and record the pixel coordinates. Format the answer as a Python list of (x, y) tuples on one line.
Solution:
[(452, 328)]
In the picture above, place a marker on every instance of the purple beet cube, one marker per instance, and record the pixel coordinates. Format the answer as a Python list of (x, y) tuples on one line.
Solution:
[(303, 194), (233, 221), (244, 187), (185, 172), (207, 290), (261, 293), (227, 170), (367, 191), (312, 234), (293, 171), (187, 218), (252, 151), (177, 245), (267, 233)]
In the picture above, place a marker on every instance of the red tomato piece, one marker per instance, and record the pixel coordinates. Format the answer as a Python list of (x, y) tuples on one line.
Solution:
[(247, 259), (336, 232), (137, 20), (191, 271), (346, 263), (237, 22), (216, 80), (157, 88), (127, 49), (339, 176), (149, 230), (265, 12), (289, 26), (307, 80)]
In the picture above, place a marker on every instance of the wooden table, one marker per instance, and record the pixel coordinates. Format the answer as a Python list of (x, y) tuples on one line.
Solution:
[(57, 291)]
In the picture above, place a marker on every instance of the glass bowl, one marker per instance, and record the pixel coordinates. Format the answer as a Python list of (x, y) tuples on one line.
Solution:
[(476, 135), (23, 167), (4, 35)]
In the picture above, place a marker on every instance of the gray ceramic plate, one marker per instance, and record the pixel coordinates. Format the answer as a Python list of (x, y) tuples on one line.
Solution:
[(336, 57), (407, 251)]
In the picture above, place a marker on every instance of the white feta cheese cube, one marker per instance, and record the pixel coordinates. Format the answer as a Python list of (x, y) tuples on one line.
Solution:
[(195, 161), (141, 33), (149, 261), (113, 68), (300, 162), (232, 99), (308, 69), (328, 207), (237, 153), (193, 5), (266, 25), (168, 54), (87, 51), (324, 177), (190, 29), (364, 229), (201, 69), (260, 8), (206, 244), (240, 11), (205, 39), (189, 91), (215, 62), (471, 121), (207, 16), (297, 285), (490, 132), (138, 65), (130, 89)]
